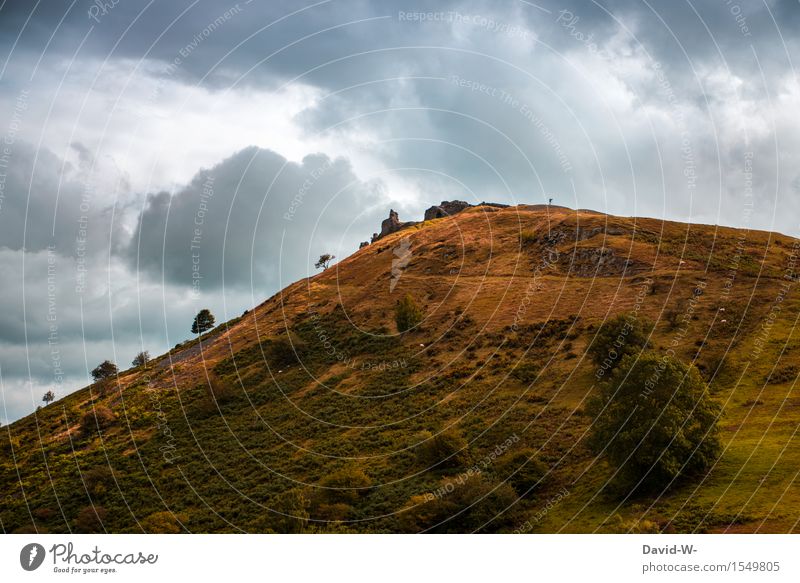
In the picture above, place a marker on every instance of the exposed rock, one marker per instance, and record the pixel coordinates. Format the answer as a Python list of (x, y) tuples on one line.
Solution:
[(597, 262), (446, 209), (498, 205), (583, 233), (391, 225)]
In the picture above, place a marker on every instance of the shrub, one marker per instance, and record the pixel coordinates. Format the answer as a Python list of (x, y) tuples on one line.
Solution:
[(522, 470), (104, 370), (215, 394), (673, 317), (475, 504), (615, 339), (284, 351), (633, 526), (407, 314), (30, 528), (655, 421), (525, 372), (164, 522), (785, 374), (97, 419), (334, 512), (527, 238), (344, 487), (46, 513), (290, 514), (445, 450), (8, 445), (97, 480), (90, 520)]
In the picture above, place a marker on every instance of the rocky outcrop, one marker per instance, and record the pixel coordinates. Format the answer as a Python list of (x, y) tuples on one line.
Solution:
[(446, 209), (391, 225), (597, 262)]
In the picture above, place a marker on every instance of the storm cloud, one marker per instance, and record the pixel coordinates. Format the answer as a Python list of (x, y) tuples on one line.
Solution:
[(252, 215)]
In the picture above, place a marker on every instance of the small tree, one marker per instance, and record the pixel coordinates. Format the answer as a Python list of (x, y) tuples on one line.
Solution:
[(445, 450), (164, 522), (461, 505), (345, 486), (98, 479), (49, 397), (104, 370), (141, 359), (203, 321), (290, 512), (90, 519), (324, 261), (407, 313), (655, 421), (522, 469), (97, 419), (284, 350)]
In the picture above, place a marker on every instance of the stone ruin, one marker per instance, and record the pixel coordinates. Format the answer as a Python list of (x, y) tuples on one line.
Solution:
[(447, 208)]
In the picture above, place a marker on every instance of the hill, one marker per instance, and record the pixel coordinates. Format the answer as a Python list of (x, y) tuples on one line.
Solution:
[(312, 413)]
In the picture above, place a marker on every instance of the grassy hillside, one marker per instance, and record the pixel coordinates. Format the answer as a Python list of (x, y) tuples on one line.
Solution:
[(312, 413)]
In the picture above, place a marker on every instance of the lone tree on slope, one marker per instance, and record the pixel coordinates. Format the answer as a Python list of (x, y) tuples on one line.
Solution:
[(324, 261), (141, 359), (407, 313), (655, 421), (104, 370), (49, 397), (203, 321)]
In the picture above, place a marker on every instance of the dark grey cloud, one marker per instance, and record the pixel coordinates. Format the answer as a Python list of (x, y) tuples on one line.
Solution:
[(238, 222), (49, 202), (240, 36)]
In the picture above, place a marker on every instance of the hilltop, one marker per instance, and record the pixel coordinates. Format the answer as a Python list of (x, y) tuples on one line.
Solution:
[(313, 405)]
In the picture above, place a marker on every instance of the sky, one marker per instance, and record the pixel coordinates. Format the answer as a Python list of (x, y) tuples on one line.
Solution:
[(161, 157)]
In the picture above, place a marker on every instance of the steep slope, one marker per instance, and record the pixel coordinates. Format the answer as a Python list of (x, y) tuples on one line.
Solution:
[(312, 405)]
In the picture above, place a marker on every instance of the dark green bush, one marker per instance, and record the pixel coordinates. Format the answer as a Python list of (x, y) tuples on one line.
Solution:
[(522, 469), (98, 418), (407, 314), (345, 486), (98, 480), (163, 522), (290, 512), (284, 351), (90, 520), (527, 238), (446, 450), (784, 374), (525, 372), (472, 504), (655, 421)]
